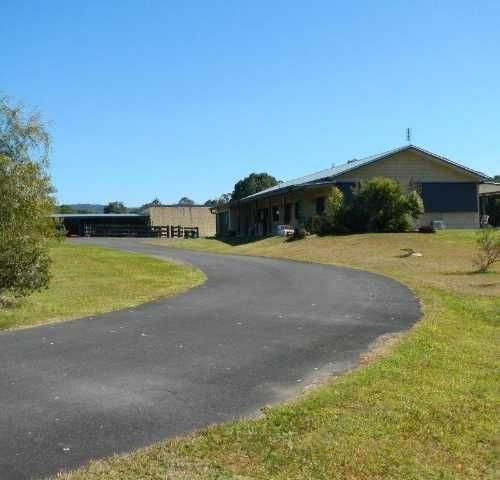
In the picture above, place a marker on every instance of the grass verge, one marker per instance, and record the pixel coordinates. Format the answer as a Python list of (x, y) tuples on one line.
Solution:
[(88, 280), (426, 409)]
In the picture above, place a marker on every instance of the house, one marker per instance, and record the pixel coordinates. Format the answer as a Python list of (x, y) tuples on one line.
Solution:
[(190, 220), (450, 192)]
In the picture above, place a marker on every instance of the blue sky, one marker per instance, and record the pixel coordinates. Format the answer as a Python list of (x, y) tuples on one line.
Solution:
[(164, 98)]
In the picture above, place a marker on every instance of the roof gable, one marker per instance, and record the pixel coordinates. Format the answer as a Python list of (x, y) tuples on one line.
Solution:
[(331, 173)]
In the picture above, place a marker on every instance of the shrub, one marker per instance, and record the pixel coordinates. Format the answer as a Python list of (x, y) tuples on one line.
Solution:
[(379, 205), (333, 219), (336, 210), (488, 243), (415, 205)]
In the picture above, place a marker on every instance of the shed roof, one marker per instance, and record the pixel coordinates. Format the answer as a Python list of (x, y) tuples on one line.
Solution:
[(330, 173)]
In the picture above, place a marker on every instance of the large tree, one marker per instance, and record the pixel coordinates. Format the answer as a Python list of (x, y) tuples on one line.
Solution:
[(254, 183), (115, 207), (26, 201), (185, 201), (220, 202)]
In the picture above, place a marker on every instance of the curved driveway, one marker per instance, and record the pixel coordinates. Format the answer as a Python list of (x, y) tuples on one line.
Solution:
[(249, 336)]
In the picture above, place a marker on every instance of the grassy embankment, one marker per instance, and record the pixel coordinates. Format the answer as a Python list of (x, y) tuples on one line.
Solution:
[(88, 280), (426, 408)]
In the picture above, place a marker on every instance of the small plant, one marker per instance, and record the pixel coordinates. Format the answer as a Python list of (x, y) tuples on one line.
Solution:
[(332, 221), (488, 243)]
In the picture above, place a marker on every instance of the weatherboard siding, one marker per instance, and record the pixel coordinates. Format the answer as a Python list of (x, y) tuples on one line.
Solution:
[(451, 219), (408, 167)]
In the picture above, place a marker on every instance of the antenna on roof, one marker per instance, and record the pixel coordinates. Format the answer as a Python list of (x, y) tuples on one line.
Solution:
[(408, 135)]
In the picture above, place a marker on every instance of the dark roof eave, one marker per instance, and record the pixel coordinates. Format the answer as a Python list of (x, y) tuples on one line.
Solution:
[(282, 191)]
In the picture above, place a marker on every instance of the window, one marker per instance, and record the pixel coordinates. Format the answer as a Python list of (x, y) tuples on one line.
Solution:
[(297, 211), (288, 213), (320, 205), (449, 197), (276, 213)]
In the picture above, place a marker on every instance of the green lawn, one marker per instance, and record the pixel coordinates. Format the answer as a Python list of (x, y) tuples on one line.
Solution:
[(89, 280), (425, 407)]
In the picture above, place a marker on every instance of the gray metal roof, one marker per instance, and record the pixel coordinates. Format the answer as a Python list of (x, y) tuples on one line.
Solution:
[(331, 173), (93, 215)]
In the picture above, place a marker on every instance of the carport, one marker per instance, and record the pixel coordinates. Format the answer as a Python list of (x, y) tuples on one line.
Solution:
[(92, 224), (489, 198)]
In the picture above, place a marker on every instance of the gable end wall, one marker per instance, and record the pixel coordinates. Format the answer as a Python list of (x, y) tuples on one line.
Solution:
[(409, 167)]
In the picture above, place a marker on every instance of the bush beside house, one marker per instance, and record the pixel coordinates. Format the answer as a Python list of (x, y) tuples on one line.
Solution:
[(377, 205)]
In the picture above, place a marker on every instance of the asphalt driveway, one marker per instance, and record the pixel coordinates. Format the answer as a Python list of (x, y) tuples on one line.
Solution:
[(257, 330)]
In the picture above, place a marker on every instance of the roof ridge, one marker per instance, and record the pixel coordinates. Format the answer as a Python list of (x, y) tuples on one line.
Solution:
[(352, 165)]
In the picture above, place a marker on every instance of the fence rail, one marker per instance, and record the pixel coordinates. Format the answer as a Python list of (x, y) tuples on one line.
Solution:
[(163, 231)]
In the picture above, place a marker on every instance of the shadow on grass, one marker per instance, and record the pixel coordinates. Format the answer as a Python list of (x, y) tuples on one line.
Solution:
[(235, 241)]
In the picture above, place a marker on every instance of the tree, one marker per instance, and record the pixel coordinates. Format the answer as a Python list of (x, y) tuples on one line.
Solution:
[(254, 183), (68, 209), (154, 203), (379, 205), (488, 244), (220, 202), (26, 202), (115, 207), (65, 209), (185, 201)]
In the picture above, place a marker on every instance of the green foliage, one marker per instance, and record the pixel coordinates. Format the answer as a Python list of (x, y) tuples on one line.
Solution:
[(68, 209), (379, 205), (333, 219), (156, 202), (254, 183), (415, 205), (115, 207), (185, 201), (334, 203), (65, 209), (488, 244), (25, 202), (220, 202)]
